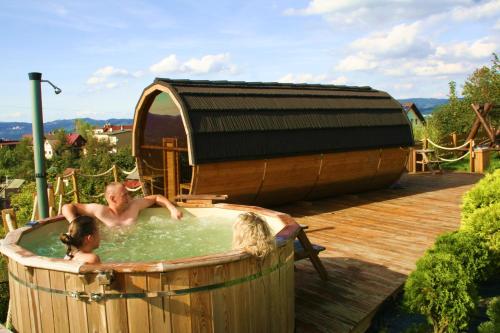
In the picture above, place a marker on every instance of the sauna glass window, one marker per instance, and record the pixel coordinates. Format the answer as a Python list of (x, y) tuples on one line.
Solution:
[(163, 120)]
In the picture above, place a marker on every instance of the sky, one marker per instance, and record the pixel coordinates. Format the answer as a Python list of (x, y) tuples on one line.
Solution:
[(102, 54)]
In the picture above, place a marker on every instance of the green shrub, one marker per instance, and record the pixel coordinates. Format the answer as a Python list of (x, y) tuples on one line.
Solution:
[(470, 249), (22, 203), (493, 312), (4, 301), (485, 222), (441, 290), (486, 192)]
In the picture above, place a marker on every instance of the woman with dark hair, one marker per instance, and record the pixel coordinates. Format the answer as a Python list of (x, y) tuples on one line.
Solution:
[(81, 240)]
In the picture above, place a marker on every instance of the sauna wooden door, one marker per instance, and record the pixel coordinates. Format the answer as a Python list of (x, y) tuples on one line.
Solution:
[(170, 168)]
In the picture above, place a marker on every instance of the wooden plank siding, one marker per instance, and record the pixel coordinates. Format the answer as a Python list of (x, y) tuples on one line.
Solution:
[(373, 241)]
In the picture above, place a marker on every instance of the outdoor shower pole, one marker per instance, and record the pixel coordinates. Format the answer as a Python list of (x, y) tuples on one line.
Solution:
[(38, 149)]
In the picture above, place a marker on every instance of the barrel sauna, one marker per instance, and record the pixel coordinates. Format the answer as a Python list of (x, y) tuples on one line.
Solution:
[(224, 292), (267, 143)]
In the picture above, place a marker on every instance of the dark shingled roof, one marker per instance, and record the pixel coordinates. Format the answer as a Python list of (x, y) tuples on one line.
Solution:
[(252, 120)]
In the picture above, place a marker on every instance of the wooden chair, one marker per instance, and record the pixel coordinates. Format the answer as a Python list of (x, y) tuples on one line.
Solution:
[(426, 158), (303, 249)]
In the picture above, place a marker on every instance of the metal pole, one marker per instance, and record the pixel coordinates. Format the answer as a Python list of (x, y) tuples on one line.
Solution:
[(38, 151)]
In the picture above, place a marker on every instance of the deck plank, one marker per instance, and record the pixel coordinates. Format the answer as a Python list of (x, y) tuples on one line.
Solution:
[(373, 241)]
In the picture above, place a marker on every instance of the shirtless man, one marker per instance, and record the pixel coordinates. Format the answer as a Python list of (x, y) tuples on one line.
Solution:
[(122, 210)]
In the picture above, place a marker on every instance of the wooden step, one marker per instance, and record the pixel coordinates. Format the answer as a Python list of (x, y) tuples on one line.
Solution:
[(300, 252)]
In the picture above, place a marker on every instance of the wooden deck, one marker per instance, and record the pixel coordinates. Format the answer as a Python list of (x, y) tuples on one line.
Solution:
[(372, 241)]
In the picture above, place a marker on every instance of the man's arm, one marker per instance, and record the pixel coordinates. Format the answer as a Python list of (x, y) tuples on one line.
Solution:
[(72, 210), (160, 200)]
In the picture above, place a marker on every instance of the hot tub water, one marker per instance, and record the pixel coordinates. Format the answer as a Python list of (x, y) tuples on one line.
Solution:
[(155, 236)]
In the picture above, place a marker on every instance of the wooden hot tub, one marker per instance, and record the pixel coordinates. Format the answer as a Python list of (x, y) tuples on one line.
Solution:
[(225, 292)]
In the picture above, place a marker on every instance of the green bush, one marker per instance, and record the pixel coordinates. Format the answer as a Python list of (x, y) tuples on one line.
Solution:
[(22, 203), (486, 192), (485, 222), (4, 301), (441, 290), (470, 249), (493, 312)]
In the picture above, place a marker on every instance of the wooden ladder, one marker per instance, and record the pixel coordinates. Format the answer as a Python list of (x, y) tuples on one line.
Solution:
[(303, 249)]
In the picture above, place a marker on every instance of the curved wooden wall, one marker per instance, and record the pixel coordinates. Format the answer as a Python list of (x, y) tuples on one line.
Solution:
[(280, 180)]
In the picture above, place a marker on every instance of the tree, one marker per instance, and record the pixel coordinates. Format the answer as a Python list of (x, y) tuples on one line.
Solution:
[(83, 128), (454, 117), (482, 86), (17, 162), (22, 202), (441, 290)]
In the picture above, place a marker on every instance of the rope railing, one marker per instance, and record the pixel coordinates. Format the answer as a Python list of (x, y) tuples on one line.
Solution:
[(98, 175), (449, 148), (455, 159), (128, 172)]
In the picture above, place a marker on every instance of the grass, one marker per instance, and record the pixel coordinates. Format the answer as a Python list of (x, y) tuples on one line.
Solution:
[(463, 164)]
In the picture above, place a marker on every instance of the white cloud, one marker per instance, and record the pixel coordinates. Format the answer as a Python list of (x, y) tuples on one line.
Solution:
[(482, 48), (357, 62), (472, 13), (401, 40), (100, 78), (110, 71), (166, 65), (94, 80), (497, 25), (216, 63), (312, 78), (438, 67), (387, 12)]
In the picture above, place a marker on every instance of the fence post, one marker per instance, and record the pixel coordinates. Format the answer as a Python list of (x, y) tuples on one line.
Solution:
[(75, 188), (9, 219), (454, 139), (34, 215), (471, 156), (51, 200), (115, 173), (60, 194)]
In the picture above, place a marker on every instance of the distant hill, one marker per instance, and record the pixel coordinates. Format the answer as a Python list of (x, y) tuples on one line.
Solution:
[(425, 105), (16, 130)]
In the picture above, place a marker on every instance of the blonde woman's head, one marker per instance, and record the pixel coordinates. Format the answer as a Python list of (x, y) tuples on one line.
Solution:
[(251, 233)]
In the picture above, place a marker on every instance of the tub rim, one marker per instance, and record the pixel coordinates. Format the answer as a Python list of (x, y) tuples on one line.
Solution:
[(10, 248)]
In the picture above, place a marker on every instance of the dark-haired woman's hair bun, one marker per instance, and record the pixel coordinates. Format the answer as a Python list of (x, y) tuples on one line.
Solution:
[(66, 238)]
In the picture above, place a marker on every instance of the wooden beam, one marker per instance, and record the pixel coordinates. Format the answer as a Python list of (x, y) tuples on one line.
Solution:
[(483, 121), (477, 124)]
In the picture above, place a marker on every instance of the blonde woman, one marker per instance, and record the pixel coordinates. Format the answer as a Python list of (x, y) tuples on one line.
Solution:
[(251, 233)]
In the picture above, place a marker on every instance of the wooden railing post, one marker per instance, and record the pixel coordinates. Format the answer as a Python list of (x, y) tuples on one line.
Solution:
[(75, 188), (51, 200), (115, 173), (34, 214), (9, 219), (454, 139), (471, 156), (59, 192)]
